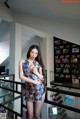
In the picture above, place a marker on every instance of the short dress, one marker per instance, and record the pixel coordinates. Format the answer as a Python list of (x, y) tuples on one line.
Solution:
[(33, 92)]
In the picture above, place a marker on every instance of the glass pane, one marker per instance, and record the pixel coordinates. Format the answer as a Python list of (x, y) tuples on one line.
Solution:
[(54, 112), (68, 102), (11, 100)]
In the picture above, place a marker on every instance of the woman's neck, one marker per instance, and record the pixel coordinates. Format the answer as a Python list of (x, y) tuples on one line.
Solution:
[(30, 60)]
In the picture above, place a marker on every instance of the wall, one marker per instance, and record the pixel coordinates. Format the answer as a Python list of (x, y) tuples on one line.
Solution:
[(5, 14), (4, 48), (67, 30), (4, 40), (4, 30), (5, 17)]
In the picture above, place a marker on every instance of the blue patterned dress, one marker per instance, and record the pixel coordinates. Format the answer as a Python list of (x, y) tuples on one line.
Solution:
[(33, 92)]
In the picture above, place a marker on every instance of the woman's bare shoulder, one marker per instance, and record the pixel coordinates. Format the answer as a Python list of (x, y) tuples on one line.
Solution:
[(22, 61)]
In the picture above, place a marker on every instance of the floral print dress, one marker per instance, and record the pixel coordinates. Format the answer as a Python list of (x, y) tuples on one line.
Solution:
[(33, 92)]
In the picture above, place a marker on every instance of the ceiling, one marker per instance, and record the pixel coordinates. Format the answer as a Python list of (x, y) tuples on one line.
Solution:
[(46, 8)]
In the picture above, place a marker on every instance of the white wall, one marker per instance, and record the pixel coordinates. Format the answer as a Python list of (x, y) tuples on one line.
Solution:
[(5, 14), (4, 40), (4, 50), (4, 30), (63, 29), (5, 18)]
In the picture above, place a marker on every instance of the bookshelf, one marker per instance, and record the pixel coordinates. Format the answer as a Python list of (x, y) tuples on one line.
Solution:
[(66, 61)]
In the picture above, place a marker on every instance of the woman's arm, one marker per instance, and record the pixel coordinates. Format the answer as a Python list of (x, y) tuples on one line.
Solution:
[(22, 77)]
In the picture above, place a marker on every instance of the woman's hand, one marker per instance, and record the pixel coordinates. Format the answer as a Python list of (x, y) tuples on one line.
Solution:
[(37, 82), (35, 70), (39, 74), (31, 67)]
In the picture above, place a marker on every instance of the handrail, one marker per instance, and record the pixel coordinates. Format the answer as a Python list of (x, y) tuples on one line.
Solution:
[(63, 92), (5, 95), (62, 105), (74, 86), (10, 100), (14, 98), (12, 81), (7, 75), (53, 90), (18, 114), (11, 90)]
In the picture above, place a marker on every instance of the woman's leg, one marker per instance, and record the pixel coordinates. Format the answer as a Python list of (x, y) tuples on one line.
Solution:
[(30, 112), (38, 107)]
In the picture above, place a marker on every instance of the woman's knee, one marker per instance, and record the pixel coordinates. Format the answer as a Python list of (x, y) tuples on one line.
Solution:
[(37, 115), (30, 115)]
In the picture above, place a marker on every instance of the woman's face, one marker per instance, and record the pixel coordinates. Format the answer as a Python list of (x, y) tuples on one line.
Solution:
[(33, 53)]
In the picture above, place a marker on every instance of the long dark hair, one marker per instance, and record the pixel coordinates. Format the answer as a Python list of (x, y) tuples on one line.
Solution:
[(38, 58)]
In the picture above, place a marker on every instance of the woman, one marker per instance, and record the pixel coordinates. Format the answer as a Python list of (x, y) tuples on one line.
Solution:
[(31, 71)]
